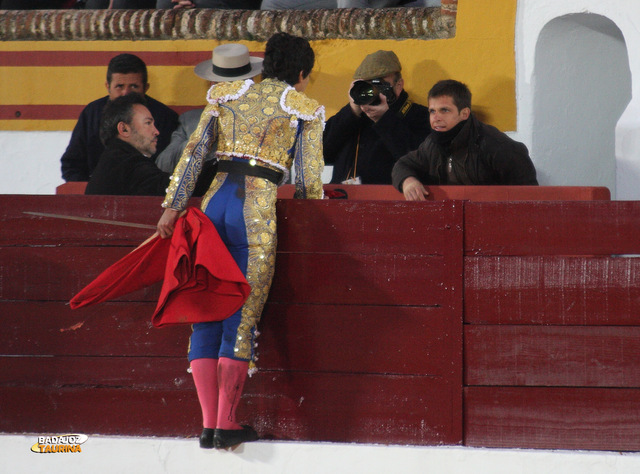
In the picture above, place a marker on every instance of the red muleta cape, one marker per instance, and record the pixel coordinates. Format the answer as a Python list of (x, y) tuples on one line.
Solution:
[(201, 283)]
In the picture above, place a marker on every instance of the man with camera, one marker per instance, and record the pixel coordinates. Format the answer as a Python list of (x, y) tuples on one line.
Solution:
[(378, 125)]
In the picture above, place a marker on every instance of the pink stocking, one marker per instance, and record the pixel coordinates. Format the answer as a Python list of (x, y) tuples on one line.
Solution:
[(205, 376), (231, 375)]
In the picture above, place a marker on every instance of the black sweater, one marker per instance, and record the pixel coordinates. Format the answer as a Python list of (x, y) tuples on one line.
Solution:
[(123, 170)]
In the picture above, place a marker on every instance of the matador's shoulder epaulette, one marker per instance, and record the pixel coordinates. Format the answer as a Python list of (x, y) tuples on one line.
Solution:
[(225, 91), (302, 106)]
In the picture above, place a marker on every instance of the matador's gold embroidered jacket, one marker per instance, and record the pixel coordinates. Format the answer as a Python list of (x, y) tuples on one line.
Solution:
[(269, 122)]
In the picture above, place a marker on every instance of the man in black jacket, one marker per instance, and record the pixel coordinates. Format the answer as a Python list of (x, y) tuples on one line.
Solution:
[(460, 149), (126, 73), (130, 137), (126, 166), (364, 140)]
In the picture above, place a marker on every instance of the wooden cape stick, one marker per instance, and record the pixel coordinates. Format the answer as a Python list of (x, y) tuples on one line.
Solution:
[(92, 220)]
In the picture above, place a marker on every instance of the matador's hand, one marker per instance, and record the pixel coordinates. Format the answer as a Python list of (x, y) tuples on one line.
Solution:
[(167, 223)]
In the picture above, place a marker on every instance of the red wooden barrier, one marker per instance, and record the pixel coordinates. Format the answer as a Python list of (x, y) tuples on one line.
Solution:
[(344, 290), (552, 336), (362, 337), (72, 187)]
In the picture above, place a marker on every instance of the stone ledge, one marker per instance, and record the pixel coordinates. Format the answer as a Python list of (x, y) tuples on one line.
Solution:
[(228, 25)]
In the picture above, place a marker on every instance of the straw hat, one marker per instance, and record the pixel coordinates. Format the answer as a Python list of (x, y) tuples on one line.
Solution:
[(229, 62)]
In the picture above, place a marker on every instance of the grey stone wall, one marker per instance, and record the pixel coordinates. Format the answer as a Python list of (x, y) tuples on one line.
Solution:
[(228, 25)]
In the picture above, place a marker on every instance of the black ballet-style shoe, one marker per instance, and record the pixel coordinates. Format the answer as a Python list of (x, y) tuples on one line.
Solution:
[(228, 438), (206, 438)]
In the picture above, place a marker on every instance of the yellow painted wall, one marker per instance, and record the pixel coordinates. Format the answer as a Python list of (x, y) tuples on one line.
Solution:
[(481, 55)]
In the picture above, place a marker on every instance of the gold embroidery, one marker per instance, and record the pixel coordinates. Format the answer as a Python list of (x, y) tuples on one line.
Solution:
[(260, 216), (261, 123)]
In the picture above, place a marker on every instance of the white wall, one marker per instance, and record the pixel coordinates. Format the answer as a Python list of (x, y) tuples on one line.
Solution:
[(582, 84), (532, 17), (30, 161)]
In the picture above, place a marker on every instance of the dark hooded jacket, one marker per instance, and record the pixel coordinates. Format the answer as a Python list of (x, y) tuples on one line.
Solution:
[(481, 155)]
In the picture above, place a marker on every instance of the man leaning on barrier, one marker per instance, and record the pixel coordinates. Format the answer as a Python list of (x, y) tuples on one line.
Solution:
[(460, 149)]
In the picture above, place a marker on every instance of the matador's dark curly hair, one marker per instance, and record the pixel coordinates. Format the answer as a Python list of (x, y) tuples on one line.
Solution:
[(285, 56)]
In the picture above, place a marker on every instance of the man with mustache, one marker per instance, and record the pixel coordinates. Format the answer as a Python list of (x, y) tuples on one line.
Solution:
[(130, 137)]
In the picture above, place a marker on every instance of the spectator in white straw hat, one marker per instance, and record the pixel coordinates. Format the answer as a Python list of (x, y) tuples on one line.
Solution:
[(229, 62)]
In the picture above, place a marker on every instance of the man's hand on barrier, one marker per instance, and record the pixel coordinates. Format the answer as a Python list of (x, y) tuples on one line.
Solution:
[(414, 190)]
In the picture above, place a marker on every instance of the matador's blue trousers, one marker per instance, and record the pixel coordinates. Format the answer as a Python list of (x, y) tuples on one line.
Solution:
[(242, 208)]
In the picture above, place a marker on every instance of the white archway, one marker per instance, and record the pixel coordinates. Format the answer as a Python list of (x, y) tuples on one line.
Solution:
[(581, 86)]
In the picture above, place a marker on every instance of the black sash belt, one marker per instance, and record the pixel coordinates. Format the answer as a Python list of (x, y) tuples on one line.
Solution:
[(240, 167)]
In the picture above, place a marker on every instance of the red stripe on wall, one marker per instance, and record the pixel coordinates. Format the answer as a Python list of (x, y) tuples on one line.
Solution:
[(101, 58), (40, 112), (54, 112)]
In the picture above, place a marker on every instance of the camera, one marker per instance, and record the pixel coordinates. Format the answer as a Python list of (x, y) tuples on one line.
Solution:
[(368, 92)]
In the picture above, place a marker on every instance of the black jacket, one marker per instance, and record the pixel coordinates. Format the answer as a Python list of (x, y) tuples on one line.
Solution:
[(401, 129), (482, 154), (123, 170), (84, 149)]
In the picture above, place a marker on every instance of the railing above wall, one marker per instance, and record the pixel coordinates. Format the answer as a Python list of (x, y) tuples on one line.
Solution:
[(228, 25)]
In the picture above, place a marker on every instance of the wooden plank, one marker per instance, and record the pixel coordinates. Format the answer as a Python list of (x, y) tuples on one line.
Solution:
[(100, 410), (552, 228), (91, 372), (361, 339), (282, 405), (72, 187), (357, 279), (371, 227), (561, 356), (354, 408), (107, 329), (353, 278), (322, 225), (58, 273), (376, 192), (520, 193), (552, 418), (552, 290), (288, 406), (293, 337)]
